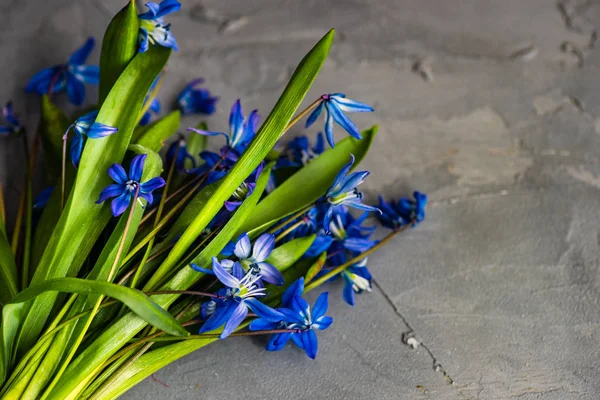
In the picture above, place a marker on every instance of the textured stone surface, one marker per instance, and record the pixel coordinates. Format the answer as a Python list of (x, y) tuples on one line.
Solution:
[(489, 106)]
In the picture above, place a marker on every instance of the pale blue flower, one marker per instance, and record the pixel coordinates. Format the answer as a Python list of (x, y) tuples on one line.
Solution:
[(153, 29)]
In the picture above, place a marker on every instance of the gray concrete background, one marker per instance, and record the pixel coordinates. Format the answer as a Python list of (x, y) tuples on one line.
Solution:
[(489, 106)]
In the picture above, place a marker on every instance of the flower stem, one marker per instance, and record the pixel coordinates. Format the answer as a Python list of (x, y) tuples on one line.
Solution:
[(293, 217), (337, 270), (190, 292), (289, 230), (301, 115), (217, 336)]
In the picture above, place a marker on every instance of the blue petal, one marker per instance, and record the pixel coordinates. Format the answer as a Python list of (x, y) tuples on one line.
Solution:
[(343, 120), (218, 318), (297, 339), (264, 311), (357, 204), (243, 247), (329, 127), (99, 130), (76, 149), (225, 277), (198, 268), (270, 274), (295, 289), (353, 180), (40, 82), (209, 133), (110, 191), (314, 115), (168, 7), (120, 204), (320, 145), (348, 292), (136, 168), (301, 307), (263, 247), (152, 185), (238, 315), (231, 206), (81, 54), (309, 342), (148, 196), (327, 218), (340, 177), (89, 74), (153, 9), (236, 123), (117, 173), (145, 119), (42, 199), (144, 42), (323, 323), (261, 324), (75, 90), (320, 307), (278, 341), (348, 105)]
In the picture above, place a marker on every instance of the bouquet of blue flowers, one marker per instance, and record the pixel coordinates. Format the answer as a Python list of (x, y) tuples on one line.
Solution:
[(126, 262)]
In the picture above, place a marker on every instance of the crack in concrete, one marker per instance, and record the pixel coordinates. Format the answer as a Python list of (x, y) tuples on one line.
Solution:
[(410, 334)]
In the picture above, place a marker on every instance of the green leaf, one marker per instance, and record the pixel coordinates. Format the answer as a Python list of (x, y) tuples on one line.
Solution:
[(315, 268), (119, 46), (10, 326), (8, 271), (153, 136), (137, 301), (84, 367), (288, 253), (196, 144), (308, 184), (53, 125), (266, 137), (82, 220)]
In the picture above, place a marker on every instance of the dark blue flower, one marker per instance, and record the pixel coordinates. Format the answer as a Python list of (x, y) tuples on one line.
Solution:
[(85, 126), (298, 317), (13, 125), (153, 29), (405, 211), (242, 130), (126, 187), (216, 165), (253, 257), (71, 76), (240, 294), (343, 191), (244, 190), (357, 279), (194, 100), (335, 106), (182, 154), (41, 199), (298, 152)]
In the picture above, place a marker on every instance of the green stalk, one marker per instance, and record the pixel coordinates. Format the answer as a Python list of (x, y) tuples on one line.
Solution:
[(2, 210), (293, 217)]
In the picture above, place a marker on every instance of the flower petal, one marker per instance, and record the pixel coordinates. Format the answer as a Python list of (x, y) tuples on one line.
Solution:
[(198, 268), (263, 246), (236, 123), (225, 277), (109, 192), (261, 324), (75, 90), (270, 274), (99, 130), (295, 289), (323, 323), (243, 247), (89, 74), (238, 315), (352, 180), (278, 341), (309, 342), (136, 168), (40, 82), (340, 178), (117, 173), (343, 120), (76, 149), (297, 339), (301, 307), (81, 54), (219, 316), (152, 185), (329, 127), (168, 7), (314, 115), (143, 38), (348, 292), (264, 311), (348, 105), (120, 204), (320, 307)]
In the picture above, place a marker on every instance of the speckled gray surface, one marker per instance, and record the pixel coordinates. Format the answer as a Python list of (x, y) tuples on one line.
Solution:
[(489, 106)]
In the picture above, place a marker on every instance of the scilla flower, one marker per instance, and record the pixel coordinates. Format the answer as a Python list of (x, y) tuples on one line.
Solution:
[(126, 187), (239, 295), (299, 317), (299, 152), (193, 100), (344, 191), (12, 123), (179, 148), (85, 126), (241, 130), (153, 29), (357, 279), (253, 257), (335, 106), (71, 76), (405, 211)]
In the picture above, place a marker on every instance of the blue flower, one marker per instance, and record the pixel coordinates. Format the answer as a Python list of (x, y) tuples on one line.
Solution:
[(42, 199), (153, 29), (242, 130), (244, 190), (298, 152), (216, 165), (128, 186), (182, 154), (335, 106), (357, 279), (406, 211), (194, 100), (13, 125), (85, 126), (240, 294), (343, 191), (299, 317), (253, 257), (71, 76)]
